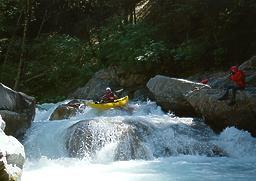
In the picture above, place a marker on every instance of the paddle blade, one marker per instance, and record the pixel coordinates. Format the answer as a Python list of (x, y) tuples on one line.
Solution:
[(118, 91)]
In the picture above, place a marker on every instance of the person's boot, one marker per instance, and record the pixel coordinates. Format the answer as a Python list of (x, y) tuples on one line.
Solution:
[(224, 96)]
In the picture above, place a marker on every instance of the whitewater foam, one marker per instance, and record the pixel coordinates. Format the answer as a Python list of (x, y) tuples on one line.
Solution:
[(174, 148)]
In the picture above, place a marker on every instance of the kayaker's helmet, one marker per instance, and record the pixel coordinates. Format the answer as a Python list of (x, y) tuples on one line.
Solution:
[(108, 89)]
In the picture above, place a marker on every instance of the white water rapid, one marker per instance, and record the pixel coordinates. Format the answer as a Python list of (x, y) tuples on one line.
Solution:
[(145, 144)]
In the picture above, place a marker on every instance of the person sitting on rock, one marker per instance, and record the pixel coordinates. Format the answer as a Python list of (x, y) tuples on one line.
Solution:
[(238, 77), (109, 96)]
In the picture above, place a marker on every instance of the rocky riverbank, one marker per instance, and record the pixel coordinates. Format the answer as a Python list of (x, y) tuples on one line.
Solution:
[(185, 97)]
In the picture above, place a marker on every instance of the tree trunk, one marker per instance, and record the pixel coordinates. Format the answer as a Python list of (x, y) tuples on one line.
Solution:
[(22, 54), (134, 15), (36, 77), (42, 24), (11, 40)]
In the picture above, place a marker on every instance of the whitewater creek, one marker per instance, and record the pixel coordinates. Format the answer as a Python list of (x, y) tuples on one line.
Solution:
[(143, 144)]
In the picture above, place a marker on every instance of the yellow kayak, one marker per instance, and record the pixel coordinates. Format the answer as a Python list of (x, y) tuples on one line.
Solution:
[(117, 103)]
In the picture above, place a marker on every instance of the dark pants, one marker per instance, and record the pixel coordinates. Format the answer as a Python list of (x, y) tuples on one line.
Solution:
[(234, 90)]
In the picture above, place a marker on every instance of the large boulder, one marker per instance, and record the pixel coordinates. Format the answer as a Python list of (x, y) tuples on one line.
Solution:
[(171, 93), (136, 138), (12, 156), (86, 138), (79, 140), (17, 109), (113, 77)]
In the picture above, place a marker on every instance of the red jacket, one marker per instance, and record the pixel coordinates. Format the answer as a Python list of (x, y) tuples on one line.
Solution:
[(237, 76), (110, 96)]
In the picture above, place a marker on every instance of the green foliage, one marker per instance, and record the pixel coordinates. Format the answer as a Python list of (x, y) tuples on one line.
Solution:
[(55, 66), (67, 41), (130, 45), (9, 68), (9, 10), (61, 61), (189, 53), (219, 55), (208, 34)]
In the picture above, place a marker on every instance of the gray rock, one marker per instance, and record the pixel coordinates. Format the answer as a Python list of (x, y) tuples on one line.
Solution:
[(139, 139), (219, 115), (142, 94), (94, 89), (171, 93), (96, 86), (17, 109), (66, 111), (113, 77), (2, 124), (79, 140), (87, 137), (12, 156), (131, 144)]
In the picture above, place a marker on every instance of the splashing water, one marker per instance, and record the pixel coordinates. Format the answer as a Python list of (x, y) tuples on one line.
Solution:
[(142, 144)]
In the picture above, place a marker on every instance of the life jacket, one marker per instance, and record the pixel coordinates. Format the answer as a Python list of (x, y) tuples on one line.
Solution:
[(109, 96), (237, 76)]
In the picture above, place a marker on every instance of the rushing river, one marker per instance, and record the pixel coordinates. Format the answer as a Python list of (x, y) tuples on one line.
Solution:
[(145, 144)]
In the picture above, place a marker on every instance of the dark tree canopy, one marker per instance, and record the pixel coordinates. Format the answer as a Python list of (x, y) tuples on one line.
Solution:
[(50, 47)]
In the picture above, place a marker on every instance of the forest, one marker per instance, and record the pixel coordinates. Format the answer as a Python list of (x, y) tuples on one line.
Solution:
[(48, 48)]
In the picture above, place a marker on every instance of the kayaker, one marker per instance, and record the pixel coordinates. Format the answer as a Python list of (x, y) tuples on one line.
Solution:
[(109, 96), (238, 77)]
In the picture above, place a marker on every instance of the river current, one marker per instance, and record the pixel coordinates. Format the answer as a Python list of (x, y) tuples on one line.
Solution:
[(170, 148)]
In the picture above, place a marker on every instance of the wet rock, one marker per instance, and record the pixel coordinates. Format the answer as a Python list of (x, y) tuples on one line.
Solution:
[(131, 144), (12, 156), (66, 111), (79, 140), (87, 137), (139, 139), (17, 109)]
